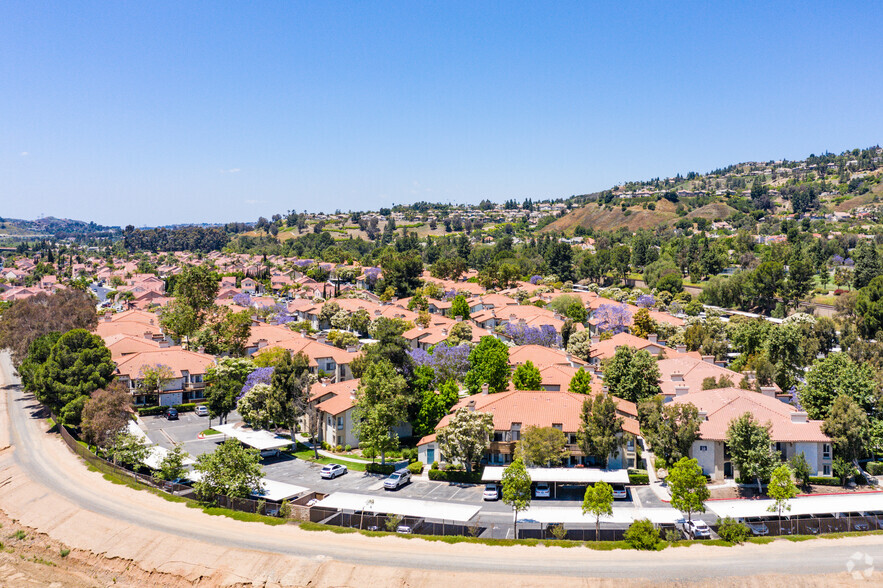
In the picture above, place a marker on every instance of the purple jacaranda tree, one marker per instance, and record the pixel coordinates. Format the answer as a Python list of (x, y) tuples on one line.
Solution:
[(535, 279), (242, 299), (372, 274), (303, 263), (848, 262), (837, 260), (449, 295), (261, 375), (613, 318), (545, 335), (645, 301), (280, 315), (448, 363)]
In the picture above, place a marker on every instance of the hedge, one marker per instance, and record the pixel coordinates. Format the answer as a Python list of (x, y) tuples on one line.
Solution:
[(638, 477), (824, 481), (875, 468), (380, 468), (155, 410), (457, 476), (416, 468)]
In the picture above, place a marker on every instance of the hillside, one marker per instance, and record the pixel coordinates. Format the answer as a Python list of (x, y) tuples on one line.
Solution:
[(613, 217)]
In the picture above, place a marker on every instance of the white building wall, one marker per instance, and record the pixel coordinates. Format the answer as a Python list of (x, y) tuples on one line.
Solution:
[(704, 458), (813, 455)]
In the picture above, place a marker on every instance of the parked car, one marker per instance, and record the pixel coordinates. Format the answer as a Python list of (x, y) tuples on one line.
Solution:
[(620, 492), (756, 526), (875, 519), (332, 470), (697, 529), (270, 453), (172, 413), (397, 479), (406, 529), (491, 492), (856, 520), (201, 410), (542, 490), (805, 523)]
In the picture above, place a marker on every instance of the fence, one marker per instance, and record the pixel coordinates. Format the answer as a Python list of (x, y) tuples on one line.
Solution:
[(240, 504), (813, 525)]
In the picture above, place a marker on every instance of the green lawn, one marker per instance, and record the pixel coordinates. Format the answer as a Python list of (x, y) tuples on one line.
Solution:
[(309, 455), (210, 432)]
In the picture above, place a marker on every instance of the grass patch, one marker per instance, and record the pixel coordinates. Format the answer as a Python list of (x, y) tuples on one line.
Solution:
[(246, 517), (64, 552), (308, 455), (19, 535), (760, 540), (42, 561), (210, 432)]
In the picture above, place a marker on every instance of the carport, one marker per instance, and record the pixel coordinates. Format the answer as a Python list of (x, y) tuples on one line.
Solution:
[(379, 504), (621, 515), (155, 453), (806, 505), (274, 491), (562, 476), (260, 440)]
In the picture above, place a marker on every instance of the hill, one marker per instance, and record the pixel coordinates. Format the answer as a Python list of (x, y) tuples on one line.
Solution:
[(609, 217)]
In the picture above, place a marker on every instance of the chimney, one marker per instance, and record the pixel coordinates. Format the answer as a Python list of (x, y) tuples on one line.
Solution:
[(471, 405), (681, 349), (768, 391), (569, 358), (322, 339), (200, 349), (109, 314), (148, 334), (484, 390), (682, 389), (377, 312), (703, 415), (652, 337), (596, 339), (708, 359), (444, 332), (512, 318), (352, 348), (459, 319), (262, 343), (164, 344), (677, 377), (799, 417)]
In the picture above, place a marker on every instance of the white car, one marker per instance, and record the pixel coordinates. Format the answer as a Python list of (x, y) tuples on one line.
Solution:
[(405, 529), (620, 492), (397, 479), (756, 526), (697, 529), (543, 490), (491, 492), (201, 410), (332, 470)]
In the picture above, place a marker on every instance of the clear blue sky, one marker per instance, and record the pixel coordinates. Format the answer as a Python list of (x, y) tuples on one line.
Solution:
[(165, 112)]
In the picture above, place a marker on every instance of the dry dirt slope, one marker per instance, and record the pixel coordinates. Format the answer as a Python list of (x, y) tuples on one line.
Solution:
[(600, 218)]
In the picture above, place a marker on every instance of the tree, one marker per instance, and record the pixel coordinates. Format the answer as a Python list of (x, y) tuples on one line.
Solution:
[(542, 446), (380, 405), (172, 465), (225, 331), (30, 318), (781, 489), (231, 470), (460, 333), (688, 489), (800, 467), (153, 379), (291, 390), (598, 502), (390, 346), (869, 308), (580, 345), (642, 324), (197, 287), (31, 367), (489, 362), (78, 364), (670, 429), (834, 376), (516, 489), (402, 272), (750, 448), (106, 412), (178, 320), (527, 377), (581, 382), (799, 281), (632, 374), (847, 426), (599, 428), (466, 437), (255, 406), (224, 380), (127, 449), (459, 307), (867, 265)]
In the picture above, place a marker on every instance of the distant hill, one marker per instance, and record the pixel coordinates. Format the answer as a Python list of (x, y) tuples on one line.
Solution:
[(55, 227)]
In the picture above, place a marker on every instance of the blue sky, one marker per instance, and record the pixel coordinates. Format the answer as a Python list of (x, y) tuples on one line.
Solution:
[(165, 112)]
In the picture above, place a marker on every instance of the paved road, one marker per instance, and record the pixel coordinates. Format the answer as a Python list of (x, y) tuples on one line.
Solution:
[(37, 455)]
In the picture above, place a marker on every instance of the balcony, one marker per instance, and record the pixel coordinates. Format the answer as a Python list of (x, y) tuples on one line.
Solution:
[(190, 386)]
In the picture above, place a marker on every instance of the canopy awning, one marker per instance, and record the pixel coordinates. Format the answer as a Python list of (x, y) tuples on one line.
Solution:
[(278, 491), (563, 475), (401, 506), (257, 439), (816, 505), (621, 515)]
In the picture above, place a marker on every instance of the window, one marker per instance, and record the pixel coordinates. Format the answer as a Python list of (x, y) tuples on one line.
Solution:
[(330, 421), (339, 423), (558, 426), (630, 445), (703, 448), (827, 470), (826, 451), (498, 436)]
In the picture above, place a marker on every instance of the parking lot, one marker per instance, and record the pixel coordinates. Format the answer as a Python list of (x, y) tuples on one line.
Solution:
[(303, 473)]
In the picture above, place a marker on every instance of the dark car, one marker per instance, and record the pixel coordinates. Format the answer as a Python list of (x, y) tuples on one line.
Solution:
[(172, 414)]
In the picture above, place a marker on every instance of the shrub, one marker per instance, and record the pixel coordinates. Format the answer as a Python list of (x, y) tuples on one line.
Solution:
[(456, 476), (875, 468), (369, 453), (434, 465), (151, 410), (824, 480), (64, 552), (189, 407), (638, 477), (378, 468), (416, 468), (642, 535), (326, 446), (732, 531), (339, 449), (348, 448)]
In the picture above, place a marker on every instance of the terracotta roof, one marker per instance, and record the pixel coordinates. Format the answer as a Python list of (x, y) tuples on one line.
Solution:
[(541, 356), (176, 358), (313, 349), (607, 348), (343, 396), (726, 404), (694, 371)]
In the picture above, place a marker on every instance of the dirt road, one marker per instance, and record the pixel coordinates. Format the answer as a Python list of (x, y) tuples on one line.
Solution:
[(46, 489)]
